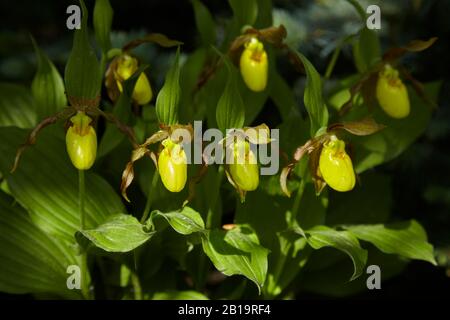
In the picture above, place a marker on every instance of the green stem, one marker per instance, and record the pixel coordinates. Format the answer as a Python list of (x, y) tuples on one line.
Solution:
[(359, 9), (136, 286), (292, 222), (148, 204), (212, 218), (333, 60), (296, 205), (81, 198), (103, 60), (212, 221)]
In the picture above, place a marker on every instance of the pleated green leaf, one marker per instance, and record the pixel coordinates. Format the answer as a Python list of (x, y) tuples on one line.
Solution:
[(17, 107), (237, 252), (169, 97), (322, 236), (103, 16), (313, 99), (407, 239), (47, 86), (46, 184), (30, 260), (184, 221), (366, 51), (120, 233), (245, 12), (205, 23), (82, 72), (230, 112)]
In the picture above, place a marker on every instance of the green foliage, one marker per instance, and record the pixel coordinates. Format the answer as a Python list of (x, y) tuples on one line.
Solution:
[(237, 252), (82, 72), (245, 12), (317, 110), (366, 50), (169, 96), (31, 260), (103, 16), (230, 112), (322, 236), (120, 233), (17, 106), (47, 86), (407, 239), (205, 23), (185, 221), (276, 244)]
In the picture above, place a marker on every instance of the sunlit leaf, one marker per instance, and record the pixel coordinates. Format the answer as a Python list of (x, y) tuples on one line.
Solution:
[(30, 260), (322, 236), (237, 252), (17, 107), (407, 239), (120, 233)]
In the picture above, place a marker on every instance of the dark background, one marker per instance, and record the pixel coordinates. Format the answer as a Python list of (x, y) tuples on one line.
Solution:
[(421, 176)]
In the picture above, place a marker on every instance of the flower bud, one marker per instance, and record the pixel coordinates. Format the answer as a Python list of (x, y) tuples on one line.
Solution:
[(254, 65), (336, 166), (126, 66), (244, 170), (81, 141), (392, 94), (172, 166)]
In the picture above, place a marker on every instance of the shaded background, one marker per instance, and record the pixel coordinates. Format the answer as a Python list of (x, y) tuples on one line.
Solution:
[(420, 176)]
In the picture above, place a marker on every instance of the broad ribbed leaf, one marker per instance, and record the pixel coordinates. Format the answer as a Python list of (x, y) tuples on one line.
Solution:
[(47, 86), (230, 112), (17, 107), (366, 50), (120, 233), (407, 239), (322, 236), (185, 221), (169, 96), (313, 100), (82, 69), (46, 184), (103, 16), (245, 12), (237, 252), (30, 260), (205, 23)]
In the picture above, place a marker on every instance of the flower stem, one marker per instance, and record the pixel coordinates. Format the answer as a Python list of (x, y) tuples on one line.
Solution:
[(81, 198), (136, 286), (298, 197), (292, 222), (212, 221), (148, 204)]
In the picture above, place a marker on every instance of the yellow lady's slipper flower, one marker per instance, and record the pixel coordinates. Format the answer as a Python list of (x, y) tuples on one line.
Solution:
[(81, 141), (172, 166), (126, 66), (244, 169), (392, 94), (254, 65), (336, 166)]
